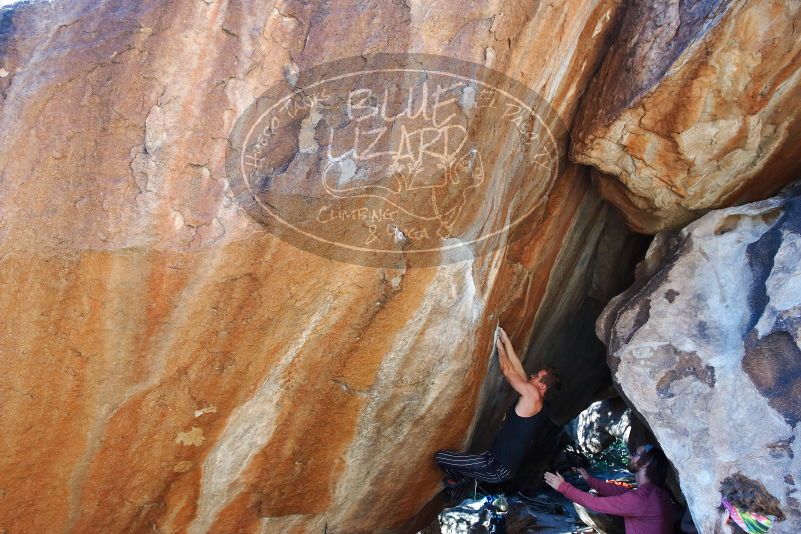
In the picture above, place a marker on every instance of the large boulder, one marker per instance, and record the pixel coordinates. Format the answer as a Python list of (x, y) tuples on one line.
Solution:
[(705, 346), (695, 107), (169, 365)]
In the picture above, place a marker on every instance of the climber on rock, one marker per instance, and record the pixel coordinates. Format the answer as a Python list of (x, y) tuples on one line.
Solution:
[(645, 510), (522, 422)]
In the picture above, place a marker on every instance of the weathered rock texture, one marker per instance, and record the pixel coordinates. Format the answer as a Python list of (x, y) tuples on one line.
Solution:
[(601, 424), (167, 365), (706, 347), (696, 106)]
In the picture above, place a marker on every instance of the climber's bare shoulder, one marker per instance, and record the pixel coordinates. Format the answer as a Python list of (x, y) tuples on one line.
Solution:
[(529, 404)]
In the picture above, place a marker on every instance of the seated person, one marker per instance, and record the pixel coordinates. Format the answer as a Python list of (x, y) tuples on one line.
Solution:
[(747, 505), (647, 509), (521, 423)]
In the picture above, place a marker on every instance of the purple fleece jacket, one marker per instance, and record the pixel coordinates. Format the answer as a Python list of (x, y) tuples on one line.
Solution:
[(645, 510)]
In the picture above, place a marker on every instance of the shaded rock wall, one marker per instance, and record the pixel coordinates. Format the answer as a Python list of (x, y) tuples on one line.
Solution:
[(595, 267), (706, 347), (695, 107), (166, 363)]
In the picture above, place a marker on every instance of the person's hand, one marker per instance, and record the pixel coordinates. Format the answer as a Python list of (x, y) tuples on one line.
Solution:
[(506, 342), (583, 472), (501, 348), (502, 352), (553, 480), (502, 357), (503, 338)]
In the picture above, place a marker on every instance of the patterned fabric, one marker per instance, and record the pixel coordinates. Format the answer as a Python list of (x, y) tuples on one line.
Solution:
[(483, 467), (750, 522)]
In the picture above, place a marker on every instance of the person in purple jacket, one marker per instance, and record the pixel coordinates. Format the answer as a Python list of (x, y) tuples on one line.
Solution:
[(645, 510)]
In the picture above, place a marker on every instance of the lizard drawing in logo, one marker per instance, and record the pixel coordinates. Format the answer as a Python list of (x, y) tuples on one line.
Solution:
[(429, 186)]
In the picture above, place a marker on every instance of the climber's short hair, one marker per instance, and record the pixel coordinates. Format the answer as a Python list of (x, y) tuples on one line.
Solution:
[(552, 381)]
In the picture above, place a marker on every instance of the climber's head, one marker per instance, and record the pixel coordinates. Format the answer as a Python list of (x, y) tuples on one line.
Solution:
[(547, 381), (653, 461)]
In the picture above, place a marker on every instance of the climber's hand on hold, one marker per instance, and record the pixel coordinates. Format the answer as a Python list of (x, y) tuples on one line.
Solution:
[(507, 355), (502, 357), (501, 349), (507, 344)]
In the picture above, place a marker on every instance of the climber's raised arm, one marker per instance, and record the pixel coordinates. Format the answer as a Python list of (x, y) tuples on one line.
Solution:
[(516, 376), (514, 361)]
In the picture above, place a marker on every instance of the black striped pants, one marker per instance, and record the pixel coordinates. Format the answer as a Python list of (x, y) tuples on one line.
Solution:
[(461, 466)]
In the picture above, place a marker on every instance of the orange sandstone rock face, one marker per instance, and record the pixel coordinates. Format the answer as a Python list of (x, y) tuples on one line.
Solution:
[(165, 363), (694, 110)]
